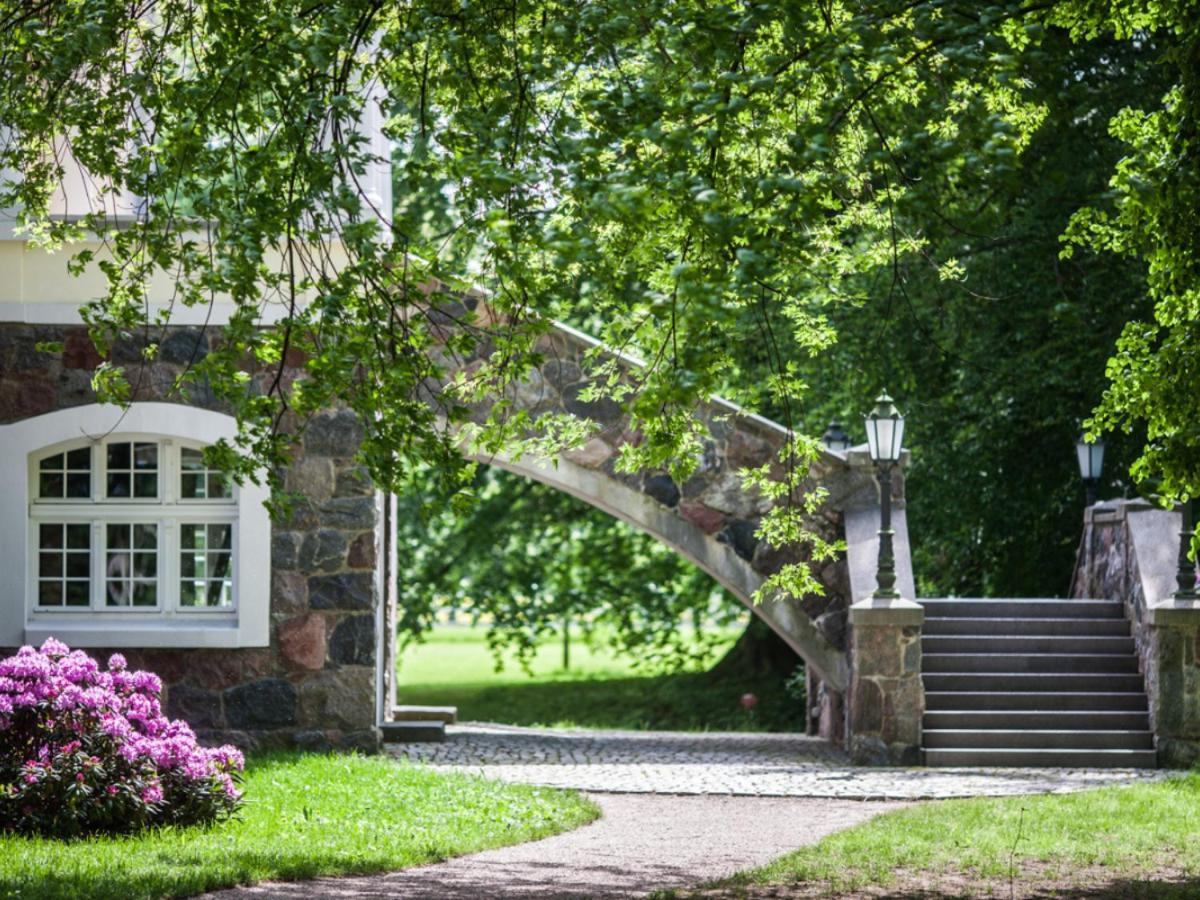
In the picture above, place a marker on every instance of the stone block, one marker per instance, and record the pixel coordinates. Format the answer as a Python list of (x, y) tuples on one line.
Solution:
[(740, 535), (285, 549), (301, 642), (353, 481), (593, 453), (311, 476), (349, 513), (869, 750), (746, 451), (183, 346), (604, 410), (346, 590), (323, 550), (662, 489), (266, 704), (312, 741), (368, 741), (878, 650), (79, 352), (362, 551), (561, 372), (336, 434), (289, 592), (353, 642), (708, 520), (339, 698), (866, 707), (198, 707)]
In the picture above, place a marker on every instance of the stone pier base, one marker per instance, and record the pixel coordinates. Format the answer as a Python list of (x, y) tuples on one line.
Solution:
[(887, 699)]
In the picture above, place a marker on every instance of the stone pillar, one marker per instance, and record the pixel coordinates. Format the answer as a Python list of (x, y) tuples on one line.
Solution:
[(887, 699)]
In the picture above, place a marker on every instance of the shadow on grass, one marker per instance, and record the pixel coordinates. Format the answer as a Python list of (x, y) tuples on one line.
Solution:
[(683, 702)]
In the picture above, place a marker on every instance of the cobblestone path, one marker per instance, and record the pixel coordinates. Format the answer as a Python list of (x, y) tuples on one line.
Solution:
[(768, 765)]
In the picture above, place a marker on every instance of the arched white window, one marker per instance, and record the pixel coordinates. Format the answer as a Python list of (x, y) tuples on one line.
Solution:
[(130, 539)]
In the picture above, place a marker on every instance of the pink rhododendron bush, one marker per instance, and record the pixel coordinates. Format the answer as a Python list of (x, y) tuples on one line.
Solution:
[(86, 751)]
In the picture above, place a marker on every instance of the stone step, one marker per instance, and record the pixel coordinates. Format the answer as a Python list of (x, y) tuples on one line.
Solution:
[(1037, 719), (1004, 643), (1023, 739), (413, 732), (1039, 701), (972, 625), (1071, 663), (1023, 609), (446, 714), (1074, 759), (1005, 682)]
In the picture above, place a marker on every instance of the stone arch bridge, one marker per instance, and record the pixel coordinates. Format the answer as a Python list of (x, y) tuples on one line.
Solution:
[(712, 518)]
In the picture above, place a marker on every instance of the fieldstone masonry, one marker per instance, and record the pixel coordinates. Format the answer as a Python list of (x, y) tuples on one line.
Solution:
[(1129, 551), (314, 686)]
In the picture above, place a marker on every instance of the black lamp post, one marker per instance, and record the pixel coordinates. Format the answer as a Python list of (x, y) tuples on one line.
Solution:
[(885, 432), (1185, 575), (835, 438), (1091, 460)]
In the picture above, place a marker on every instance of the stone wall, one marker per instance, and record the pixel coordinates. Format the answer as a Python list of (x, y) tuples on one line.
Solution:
[(1129, 551), (314, 686)]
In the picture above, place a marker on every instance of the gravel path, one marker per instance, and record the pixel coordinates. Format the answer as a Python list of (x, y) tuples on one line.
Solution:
[(767, 765), (641, 844)]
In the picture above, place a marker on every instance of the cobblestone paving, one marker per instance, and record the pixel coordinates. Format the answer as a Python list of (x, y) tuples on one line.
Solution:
[(768, 765)]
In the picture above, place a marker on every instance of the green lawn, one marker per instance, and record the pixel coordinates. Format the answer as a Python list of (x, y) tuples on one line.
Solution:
[(455, 668), (304, 816), (1110, 839)]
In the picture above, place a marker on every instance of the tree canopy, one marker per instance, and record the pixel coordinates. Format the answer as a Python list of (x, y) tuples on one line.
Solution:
[(685, 178)]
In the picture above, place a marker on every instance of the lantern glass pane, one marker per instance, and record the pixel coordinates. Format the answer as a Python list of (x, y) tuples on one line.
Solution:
[(1097, 458), (898, 439), (872, 438), (1081, 453)]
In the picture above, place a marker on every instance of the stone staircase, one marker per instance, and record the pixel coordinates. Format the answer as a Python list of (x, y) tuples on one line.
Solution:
[(1033, 683)]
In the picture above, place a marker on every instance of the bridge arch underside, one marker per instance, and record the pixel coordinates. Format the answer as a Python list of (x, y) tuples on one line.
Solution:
[(715, 557)]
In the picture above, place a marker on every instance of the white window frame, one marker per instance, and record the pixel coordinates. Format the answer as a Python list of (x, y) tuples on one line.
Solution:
[(172, 426)]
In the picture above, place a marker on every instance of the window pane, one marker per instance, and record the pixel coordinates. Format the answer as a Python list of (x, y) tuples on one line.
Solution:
[(79, 484), (192, 537), (191, 593), (219, 486), (145, 485), (80, 459), (145, 565), (219, 537), (219, 594), (52, 462), (218, 565), (118, 484), (50, 565), (79, 536), (118, 537), (50, 484), (145, 593), (191, 486), (50, 536), (77, 593), (118, 593), (187, 564), (118, 566), (191, 460), (79, 565), (118, 456), (145, 537), (50, 593), (145, 456)]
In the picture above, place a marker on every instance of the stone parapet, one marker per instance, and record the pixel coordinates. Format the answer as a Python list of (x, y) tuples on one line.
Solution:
[(1129, 551)]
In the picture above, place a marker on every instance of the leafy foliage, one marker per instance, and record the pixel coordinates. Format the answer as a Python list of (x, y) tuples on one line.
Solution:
[(83, 751), (689, 177)]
